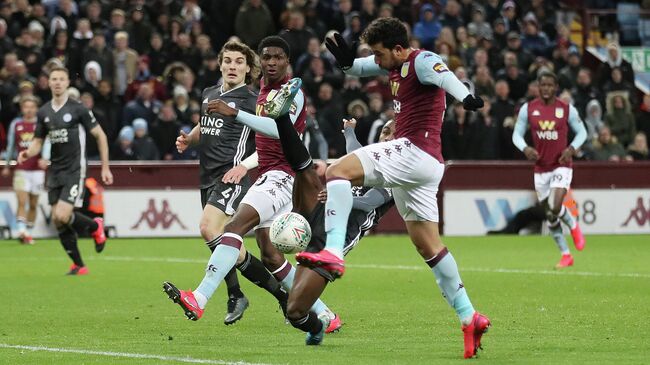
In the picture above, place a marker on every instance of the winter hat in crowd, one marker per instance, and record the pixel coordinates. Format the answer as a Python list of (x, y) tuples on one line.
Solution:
[(140, 123), (127, 133)]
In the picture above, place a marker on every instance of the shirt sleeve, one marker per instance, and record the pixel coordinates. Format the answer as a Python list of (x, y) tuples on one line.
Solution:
[(41, 130), (578, 127), (366, 66), (520, 128), (87, 118), (351, 142), (431, 70), (11, 140)]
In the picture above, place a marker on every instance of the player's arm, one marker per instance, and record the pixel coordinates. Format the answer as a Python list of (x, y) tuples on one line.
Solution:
[(372, 199), (345, 58), (431, 70), (266, 125), (580, 135), (351, 142), (520, 131), (238, 172), (102, 146)]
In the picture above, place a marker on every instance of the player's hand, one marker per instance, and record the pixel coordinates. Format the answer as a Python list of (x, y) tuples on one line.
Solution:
[(339, 48), (220, 107), (322, 196), (531, 153), (352, 123), (234, 175), (182, 142), (22, 157), (567, 155), (320, 166), (6, 171), (107, 176), (43, 164), (472, 102)]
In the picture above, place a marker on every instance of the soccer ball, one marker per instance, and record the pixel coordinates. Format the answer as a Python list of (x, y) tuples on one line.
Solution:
[(290, 233)]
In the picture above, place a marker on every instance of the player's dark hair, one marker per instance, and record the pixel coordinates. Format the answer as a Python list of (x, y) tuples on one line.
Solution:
[(59, 68), (274, 41), (251, 58), (388, 31), (548, 74)]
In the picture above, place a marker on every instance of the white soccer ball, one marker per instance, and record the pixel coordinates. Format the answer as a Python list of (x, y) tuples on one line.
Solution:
[(290, 233)]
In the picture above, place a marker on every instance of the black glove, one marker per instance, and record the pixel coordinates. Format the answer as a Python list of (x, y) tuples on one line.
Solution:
[(339, 48), (472, 102)]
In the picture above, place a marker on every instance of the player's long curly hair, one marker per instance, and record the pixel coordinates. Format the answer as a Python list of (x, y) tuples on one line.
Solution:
[(387, 31), (252, 59)]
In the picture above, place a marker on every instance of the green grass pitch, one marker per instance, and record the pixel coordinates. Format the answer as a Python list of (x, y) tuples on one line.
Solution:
[(593, 313)]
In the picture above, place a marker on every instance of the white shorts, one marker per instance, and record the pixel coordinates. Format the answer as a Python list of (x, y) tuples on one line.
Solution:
[(558, 178), (270, 196), (31, 181), (413, 174)]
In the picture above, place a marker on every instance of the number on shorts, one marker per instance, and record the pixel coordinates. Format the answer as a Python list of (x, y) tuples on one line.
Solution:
[(557, 177), (74, 190)]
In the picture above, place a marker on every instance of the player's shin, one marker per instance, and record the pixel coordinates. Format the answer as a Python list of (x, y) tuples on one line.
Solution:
[(337, 210), (567, 218), (68, 239), (222, 260), (82, 223), (558, 236), (445, 269), (253, 269), (308, 323), (294, 150)]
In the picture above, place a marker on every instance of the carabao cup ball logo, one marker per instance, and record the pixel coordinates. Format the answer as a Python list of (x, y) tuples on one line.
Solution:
[(290, 233)]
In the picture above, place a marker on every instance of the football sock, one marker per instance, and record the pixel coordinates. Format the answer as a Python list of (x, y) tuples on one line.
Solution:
[(285, 274), (232, 284), (213, 243), (558, 236), (20, 225), (68, 239), (253, 269), (294, 150), (309, 323), (221, 261), (445, 269), (567, 218), (337, 208), (30, 227), (82, 223)]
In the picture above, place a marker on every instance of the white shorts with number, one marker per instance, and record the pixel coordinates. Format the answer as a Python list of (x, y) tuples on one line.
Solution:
[(413, 174), (558, 178), (31, 181), (270, 196)]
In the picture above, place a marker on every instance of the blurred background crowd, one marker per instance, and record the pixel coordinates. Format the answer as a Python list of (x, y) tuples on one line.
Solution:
[(141, 66)]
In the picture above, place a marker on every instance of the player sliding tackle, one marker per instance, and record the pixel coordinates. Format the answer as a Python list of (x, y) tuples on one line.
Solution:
[(550, 119), (411, 164)]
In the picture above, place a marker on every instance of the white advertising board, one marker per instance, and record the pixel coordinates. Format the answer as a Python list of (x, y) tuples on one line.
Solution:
[(602, 211)]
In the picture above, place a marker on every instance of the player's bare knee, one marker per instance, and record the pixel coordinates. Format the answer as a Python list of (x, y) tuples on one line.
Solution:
[(207, 232), (60, 218)]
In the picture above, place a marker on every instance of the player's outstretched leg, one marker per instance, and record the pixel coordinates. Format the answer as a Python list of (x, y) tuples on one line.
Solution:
[(185, 299), (572, 223), (68, 238), (82, 223)]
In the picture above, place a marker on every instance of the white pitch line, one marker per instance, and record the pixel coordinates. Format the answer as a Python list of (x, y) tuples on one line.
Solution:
[(422, 267), (126, 355)]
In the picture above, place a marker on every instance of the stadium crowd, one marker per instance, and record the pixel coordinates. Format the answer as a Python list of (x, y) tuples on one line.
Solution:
[(141, 66)]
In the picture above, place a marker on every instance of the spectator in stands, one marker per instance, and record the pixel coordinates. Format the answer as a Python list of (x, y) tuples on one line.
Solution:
[(143, 76), (65, 51), (118, 22), (456, 134), (94, 15), (486, 132), (139, 29), (616, 83), (145, 106), (165, 130), (181, 102), (126, 63), (428, 28), (158, 55), (605, 148), (83, 34), (110, 107), (144, 147), (568, 75), (352, 89), (514, 44), (534, 40), (254, 21), (41, 89), (479, 26), (450, 16), (619, 118), (614, 59), (354, 29), (92, 76), (509, 14), (503, 109), (499, 33), (123, 147), (330, 115), (483, 82), (317, 74), (593, 119), (638, 150), (313, 136), (28, 51), (341, 15), (210, 73), (297, 35), (183, 51), (6, 43), (98, 51), (89, 102), (643, 116), (313, 51), (517, 81), (584, 91)]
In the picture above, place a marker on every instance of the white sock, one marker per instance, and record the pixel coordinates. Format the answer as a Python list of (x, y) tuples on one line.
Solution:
[(200, 299)]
